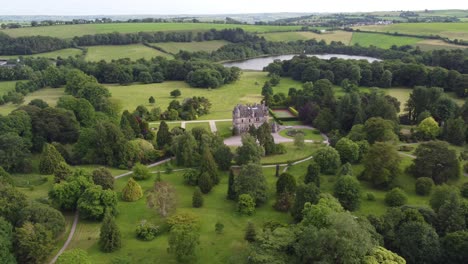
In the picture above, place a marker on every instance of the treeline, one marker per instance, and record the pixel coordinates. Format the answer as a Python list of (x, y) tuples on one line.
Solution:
[(30, 45), (363, 73)]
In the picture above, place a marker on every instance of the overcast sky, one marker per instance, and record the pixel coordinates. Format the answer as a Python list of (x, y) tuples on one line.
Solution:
[(171, 7)]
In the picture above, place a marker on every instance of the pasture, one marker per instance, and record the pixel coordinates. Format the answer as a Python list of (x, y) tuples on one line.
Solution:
[(449, 30), (63, 53), (175, 47), (133, 52), (381, 40), (70, 31), (49, 95), (5, 87), (342, 36), (435, 44)]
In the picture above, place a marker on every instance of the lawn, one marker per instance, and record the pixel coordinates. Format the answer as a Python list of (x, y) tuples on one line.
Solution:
[(133, 52), (381, 40), (170, 124), (70, 31), (308, 134), (205, 125), (342, 36), (63, 53), (5, 87), (246, 90), (293, 153), (224, 128), (49, 95), (175, 47), (450, 30)]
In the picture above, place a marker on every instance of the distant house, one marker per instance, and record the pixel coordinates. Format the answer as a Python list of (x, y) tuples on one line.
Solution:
[(243, 116), (4, 63)]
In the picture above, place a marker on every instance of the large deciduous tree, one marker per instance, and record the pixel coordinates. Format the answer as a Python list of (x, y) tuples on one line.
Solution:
[(252, 181), (381, 165), (183, 241), (162, 198), (249, 152), (328, 159), (348, 191), (33, 243)]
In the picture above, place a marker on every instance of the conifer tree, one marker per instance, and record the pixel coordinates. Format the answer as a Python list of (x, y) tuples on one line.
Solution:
[(231, 193), (197, 198), (62, 172), (286, 183), (313, 174), (132, 191), (110, 237), (163, 137), (208, 165), (250, 232), (126, 128), (205, 183), (50, 159)]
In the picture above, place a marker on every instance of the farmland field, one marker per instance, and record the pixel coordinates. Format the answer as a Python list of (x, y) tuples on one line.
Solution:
[(49, 95), (70, 31), (134, 52), (64, 53), (5, 87), (342, 36), (449, 30), (433, 44), (381, 40), (175, 47)]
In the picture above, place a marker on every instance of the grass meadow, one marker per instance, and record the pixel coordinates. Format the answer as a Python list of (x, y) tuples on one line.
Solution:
[(5, 87), (49, 95), (308, 134), (175, 47), (133, 52), (381, 40), (63, 53), (70, 31), (342, 36)]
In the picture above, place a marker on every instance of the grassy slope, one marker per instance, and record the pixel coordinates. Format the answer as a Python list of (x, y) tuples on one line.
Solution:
[(342, 36), (450, 30), (433, 44), (49, 95), (175, 47), (223, 99), (134, 52), (64, 53), (69, 31), (5, 87), (381, 40)]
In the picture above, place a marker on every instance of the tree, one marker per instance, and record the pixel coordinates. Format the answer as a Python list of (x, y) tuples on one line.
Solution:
[(151, 100), (454, 131), (74, 256), (183, 241), (423, 186), (141, 172), (451, 215), (95, 201), (163, 137), (252, 181), (132, 191), (208, 166), (6, 242), (15, 152), (324, 121), (62, 172), (381, 165), (348, 191), (197, 198), (250, 232), (348, 150), (37, 213), (455, 247), (435, 160), (379, 129), (428, 128), (109, 237), (231, 192), (440, 195), (418, 242), (12, 201), (305, 193), (185, 148), (313, 174), (285, 183), (381, 255), (299, 140), (162, 198), (50, 159), (175, 93), (328, 159), (146, 231), (33, 243), (245, 204), (223, 157), (103, 177), (205, 183), (249, 152), (396, 197)]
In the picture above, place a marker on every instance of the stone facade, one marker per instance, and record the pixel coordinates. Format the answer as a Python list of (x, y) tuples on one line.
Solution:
[(243, 116)]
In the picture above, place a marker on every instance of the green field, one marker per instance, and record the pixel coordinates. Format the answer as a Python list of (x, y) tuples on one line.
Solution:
[(224, 129), (5, 87), (205, 125), (308, 134), (381, 40), (64, 53), (70, 31), (342, 36), (175, 47), (49, 95), (223, 99), (435, 44), (449, 30), (134, 52)]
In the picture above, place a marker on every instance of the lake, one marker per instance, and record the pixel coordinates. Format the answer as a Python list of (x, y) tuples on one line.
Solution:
[(258, 64)]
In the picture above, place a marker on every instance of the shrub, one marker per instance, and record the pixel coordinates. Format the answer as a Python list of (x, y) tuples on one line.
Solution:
[(464, 190), (370, 196), (286, 183), (132, 191), (103, 177), (219, 228), (141, 172), (284, 202), (465, 167), (423, 185), (146, 231), (246, 204), (396, 197), (250, 232), (197, 198), (191, 177), (184, 219)]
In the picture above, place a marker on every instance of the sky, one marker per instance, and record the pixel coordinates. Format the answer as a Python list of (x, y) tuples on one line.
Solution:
[(168, 7)]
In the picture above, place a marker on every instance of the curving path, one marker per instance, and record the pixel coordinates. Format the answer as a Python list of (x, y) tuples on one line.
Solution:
[(76, 218)]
